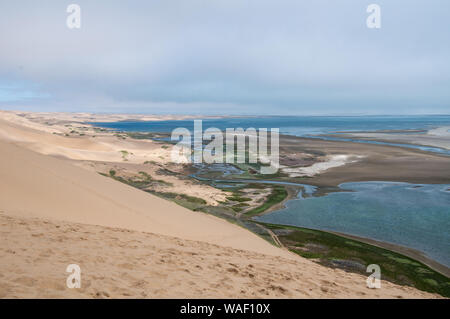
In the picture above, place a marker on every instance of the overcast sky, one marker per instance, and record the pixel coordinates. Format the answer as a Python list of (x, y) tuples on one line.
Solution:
[(226, 57)]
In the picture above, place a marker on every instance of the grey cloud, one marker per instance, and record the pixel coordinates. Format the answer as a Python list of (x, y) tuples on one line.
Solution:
[(233, 56)]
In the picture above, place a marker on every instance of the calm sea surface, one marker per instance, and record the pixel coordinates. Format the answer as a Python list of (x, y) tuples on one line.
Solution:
[(295, 125)]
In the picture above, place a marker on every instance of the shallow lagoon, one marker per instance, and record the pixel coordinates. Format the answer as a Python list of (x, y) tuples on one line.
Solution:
[(415, 216)]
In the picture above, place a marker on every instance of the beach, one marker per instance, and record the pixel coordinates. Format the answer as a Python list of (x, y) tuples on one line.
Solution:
[(61, 203), (376, 162)]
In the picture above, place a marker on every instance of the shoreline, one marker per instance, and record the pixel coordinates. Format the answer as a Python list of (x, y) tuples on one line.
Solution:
[(432, 137), (380, 163), (293, 192), (387, 142), (353, 254), (103, 152), (407, 251)]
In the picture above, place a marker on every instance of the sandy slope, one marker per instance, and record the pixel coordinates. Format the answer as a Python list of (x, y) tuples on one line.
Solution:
[(41, 186), (118, 263), (99, 151), (48, 209)]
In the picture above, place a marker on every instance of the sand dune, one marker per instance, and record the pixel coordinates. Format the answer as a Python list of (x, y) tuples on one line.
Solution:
[(93, 149), (132, 244), (36, 137), (36, 185), (119, 263)]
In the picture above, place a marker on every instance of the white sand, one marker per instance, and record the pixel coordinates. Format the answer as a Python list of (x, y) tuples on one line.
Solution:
[(317, 168)]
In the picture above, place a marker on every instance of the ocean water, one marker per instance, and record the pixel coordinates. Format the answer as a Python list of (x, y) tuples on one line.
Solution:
[(306, 126), (415, 216), (294, 125)]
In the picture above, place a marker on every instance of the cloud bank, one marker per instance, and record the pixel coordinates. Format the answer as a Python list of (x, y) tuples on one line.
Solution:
[(226, 57)]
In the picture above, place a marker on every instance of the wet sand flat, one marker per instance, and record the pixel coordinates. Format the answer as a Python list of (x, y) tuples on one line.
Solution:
[(378, 162)]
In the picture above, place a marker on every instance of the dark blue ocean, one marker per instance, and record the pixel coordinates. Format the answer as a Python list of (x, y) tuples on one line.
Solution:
[(296, 125)]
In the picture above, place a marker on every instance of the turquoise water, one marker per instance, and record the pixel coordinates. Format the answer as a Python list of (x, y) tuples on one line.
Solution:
[(306, 126), (415, 216)]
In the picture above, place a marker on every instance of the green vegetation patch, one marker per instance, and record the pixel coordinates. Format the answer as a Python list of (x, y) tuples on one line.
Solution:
[(120, 136), (239, 207), (279, 194), (354, 256), (190, 202), (141, 136), (236, 198), (142, 181), (124, 155)]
